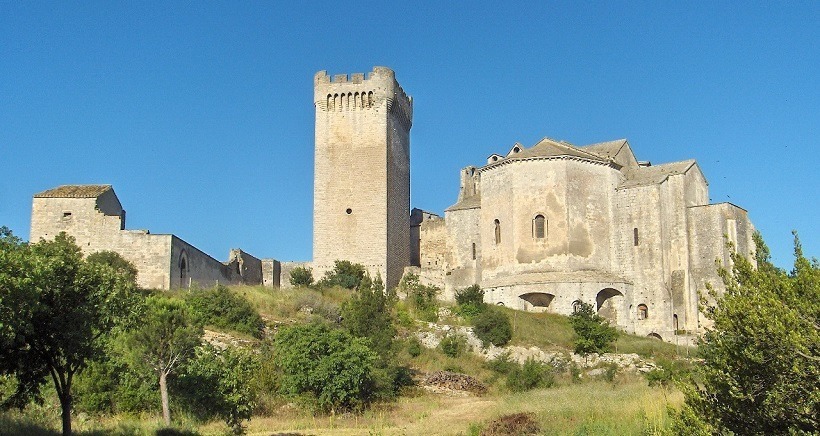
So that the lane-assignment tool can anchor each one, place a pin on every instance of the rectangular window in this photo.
(635, 236)
(473, 250)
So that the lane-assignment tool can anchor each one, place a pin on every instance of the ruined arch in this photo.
(654, 335)
(607, 303)
(539, 300)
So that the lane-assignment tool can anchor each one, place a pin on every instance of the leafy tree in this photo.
(493, 327)
(761, 359)
(222, 308)
(367, 314)
(114, 260)
(594, 334)
(54, 309)
(301, 276)
(332, 367)
(218, 383)
(345, 274)
(165, 339)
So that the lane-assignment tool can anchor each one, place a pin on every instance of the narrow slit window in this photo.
(497, 232)
(635, 236)
(473, 250)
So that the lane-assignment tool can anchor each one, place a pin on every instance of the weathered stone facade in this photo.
(361, 201)
(544, 227)
(539, 228)
(93, 215)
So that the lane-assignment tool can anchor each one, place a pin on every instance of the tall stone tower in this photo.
(361, 198)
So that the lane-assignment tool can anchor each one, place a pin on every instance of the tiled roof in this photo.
(606, 149)
(74, 191)
(471, 202)
(655, 174)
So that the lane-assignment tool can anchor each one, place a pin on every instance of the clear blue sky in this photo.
(201, 116)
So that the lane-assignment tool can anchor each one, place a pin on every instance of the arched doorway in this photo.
(654, 335)
(607, 303)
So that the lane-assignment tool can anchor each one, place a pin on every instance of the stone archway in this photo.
(654, 335)
(539, 301)
(608, 303)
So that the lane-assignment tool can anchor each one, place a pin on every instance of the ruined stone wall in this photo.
(464, 250)
(710, 228)
(271, 273)
(361, 177)
(192, 266)
(285, 269)
(247, 267)
(95, 224)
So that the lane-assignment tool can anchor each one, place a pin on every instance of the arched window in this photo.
(576, 305)
(497, 232)
(183, 270)
(643, 312)
(539, 227)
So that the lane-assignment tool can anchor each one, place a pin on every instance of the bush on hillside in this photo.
(470, 301)
(493, 327)
(301, 276)
(531, 375)
(421, 298)
(594, 334)
(224, 309)
(453, 345)
(345, 274)
(114, 260)
(329, 367)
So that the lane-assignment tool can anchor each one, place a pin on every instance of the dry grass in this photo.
(628, 407)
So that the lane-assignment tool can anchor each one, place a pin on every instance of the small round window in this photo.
(349, 211)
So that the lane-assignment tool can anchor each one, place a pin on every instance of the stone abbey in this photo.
(539, 228)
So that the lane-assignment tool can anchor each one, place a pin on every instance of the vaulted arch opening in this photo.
(607, 303)
(538, 301)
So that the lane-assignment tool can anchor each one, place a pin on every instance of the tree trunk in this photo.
(163, 391)
(65, 404)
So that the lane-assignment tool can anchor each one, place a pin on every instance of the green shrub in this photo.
(531, 375)
(493, 327)
(114, 260)
(368, 314)
(315, 305)
(345, 274)
(453, 345)
(502, 364)
(414, 347)
(471, 295)
(594, 334)
(421, 298)
(329, 367)
(222, 308)
(216, 383)
(301, 276)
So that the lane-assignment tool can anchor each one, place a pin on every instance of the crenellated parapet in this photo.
(358, 92)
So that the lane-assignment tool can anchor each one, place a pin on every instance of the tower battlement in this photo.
(358, 91)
